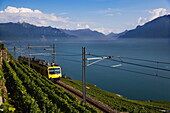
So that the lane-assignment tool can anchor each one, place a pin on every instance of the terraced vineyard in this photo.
(31, 92)
(119, 103)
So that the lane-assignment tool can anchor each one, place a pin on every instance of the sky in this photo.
(105, 16)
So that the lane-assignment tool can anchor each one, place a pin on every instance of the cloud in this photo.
(110, 12)
(78, 25)
(83, 26)
(155, 13)
(103, 30)
(141, 20)
(36, 17)
(10, 9)
(63, 13)
(99, 29)
(87, 26)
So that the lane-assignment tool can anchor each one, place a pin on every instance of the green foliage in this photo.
(42, 99)
(159, 104)
(119, 103)
(21, 100)
(51, 98)
(1, 76)
(7, 108)
(40, 69)
(32, 92)
(46, 96)
(65, 101)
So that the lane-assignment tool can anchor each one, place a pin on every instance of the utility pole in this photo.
(84, 73)
(51, 46)
(85, 63)
(54, 54)
(14, 52)
(29, 55)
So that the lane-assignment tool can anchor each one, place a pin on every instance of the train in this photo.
(50, 70)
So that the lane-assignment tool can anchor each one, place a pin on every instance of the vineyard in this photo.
(120, 103)
(30, 92)
(24, 90)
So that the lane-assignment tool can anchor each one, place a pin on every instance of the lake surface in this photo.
(128, 84)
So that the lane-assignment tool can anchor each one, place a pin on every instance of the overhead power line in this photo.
(72, 60)
(42, 53)
(68, 54)
(53, 52)
(128, 70)
(146, 60)
(42, 46)
(141, 65)
(155, 75)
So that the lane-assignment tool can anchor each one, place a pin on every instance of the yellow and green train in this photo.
(50, 70)
(54, 72)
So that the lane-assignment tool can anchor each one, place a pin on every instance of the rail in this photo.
(97, 104)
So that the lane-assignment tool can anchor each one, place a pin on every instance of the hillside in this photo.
(25, 31)
(157, 28)
(118, 102)
(116, 35)
(29, 91)
(86, 34)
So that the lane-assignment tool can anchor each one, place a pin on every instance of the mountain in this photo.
(155, 29)
(25, 31)
(86, 34)
(116, 35)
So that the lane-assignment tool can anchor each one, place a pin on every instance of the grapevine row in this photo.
(119, 103)
(59, 98)
(64, 95)
(42, 99)
(21, 100)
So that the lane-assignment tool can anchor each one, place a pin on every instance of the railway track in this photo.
(97, 104)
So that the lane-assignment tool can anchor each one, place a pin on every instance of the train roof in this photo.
(39, 62)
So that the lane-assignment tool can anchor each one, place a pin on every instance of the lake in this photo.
(131, 85)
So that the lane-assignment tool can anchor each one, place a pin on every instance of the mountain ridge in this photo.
(25, 31)
(86, 34)
(157, 28)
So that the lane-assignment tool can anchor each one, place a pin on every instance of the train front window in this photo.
(54, 71)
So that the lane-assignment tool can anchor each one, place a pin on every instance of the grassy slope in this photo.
(119, 103)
